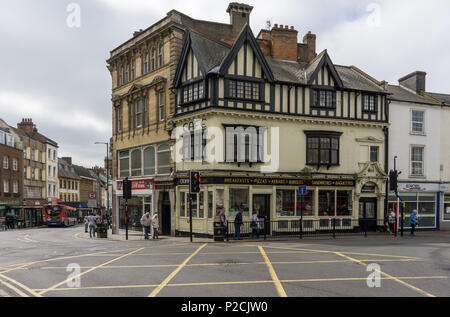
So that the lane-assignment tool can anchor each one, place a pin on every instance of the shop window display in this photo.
(285, 203)
(305, 204)
(239, 200)
(326, 203)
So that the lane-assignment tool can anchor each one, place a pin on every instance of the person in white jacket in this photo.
(146, 222)
(155, 225)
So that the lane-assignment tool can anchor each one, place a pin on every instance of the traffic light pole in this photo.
(402, 208)
(190, 216)
(126, 218)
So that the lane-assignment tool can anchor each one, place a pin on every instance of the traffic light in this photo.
(194, 182)
(127, 189)
(393, 181)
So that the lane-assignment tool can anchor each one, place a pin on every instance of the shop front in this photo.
(445, 219)
(277, 201)
(138, 205)
(421, 197)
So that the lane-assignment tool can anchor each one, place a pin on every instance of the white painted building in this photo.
(52, 181)
(415, 139)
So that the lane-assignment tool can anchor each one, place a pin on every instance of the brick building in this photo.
(11, 171)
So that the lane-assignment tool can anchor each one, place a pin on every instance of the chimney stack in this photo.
(68, 160)
(26, 125)
(239, 15)
(415, 81)
(284, 42)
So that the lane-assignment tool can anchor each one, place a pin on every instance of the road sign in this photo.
(302, 190)
(92, 195)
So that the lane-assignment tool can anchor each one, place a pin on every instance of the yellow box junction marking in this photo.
(158, 289)
(273, 274)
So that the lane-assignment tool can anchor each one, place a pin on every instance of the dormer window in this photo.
(244, 90)
(193, 92)
(369, 103)
(323, 99)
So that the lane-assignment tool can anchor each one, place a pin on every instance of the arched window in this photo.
(149, 161)
(136, 163)
(163, 159)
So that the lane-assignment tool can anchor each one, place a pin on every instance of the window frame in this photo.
(316, 98)
(417, 122)
(378, 153)
(244, 89)
(162, 106)
(411, 162)
(320, 135)
(187, 95)
(368, 108)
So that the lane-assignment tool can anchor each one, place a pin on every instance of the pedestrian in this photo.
(92, 225)
(146, 222)
(86, 224)
(255, 225)
(223, 222)
(237, 225)
(414, 221)
(155, 225)
(392, 221)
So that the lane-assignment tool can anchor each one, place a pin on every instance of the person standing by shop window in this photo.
(223, 221)
(237, 225)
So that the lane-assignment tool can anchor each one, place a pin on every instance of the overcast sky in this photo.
(57, 74)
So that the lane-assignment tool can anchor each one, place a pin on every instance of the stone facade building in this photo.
(142, 71)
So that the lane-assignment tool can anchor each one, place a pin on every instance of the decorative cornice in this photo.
(276, 117)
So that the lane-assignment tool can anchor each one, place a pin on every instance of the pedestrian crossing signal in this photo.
(127, 191)
(194, 182)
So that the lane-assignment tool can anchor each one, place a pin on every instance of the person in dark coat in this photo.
(237, 225)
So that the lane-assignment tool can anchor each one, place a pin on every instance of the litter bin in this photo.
(102, 231)
(219, 232)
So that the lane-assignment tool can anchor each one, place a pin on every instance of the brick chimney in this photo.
(27, 125)
(415, 81)
(239, 15)
(284, 42)
(68, 160)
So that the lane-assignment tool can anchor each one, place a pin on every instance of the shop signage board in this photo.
(138, 187)
(268, 182)
(410, 187)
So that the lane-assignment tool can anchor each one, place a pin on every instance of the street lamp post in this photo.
(107, 174)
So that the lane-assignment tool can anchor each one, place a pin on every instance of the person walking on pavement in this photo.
(414, 221)
(237, 225)
(255, 225)
(92, 225)
(392, 221)
(155, 225)
(146, 222)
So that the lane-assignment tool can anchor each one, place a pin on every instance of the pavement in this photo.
(64, 262)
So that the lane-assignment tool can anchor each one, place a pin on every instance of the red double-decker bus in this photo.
(59, 215)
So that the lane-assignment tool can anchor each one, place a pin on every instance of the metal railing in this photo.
(290, 228)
